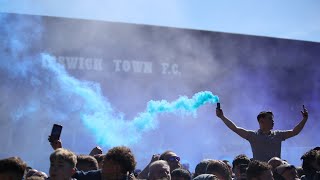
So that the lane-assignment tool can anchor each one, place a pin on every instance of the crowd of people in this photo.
(119, 163)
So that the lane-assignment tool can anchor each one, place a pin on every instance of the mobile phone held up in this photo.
(55, 132)
(218, 106)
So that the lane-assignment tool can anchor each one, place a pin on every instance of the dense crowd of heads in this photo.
(119, 164)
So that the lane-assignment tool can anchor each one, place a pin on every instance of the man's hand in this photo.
(55, 144)
(219, 113)
(96, 150)
(298, 128)
(154, 158)
(304, 113)
(144, 173)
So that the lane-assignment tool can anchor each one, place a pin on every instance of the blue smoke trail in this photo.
(181, 105)
(61, 97)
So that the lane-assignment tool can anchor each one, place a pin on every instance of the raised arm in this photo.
(297, 129)
(144, 173)
(55, 144)
(240, 131)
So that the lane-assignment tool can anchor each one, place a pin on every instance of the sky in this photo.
(289, 19)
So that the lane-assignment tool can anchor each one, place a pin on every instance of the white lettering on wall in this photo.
(119, 65)
(132, 66)
(80, 63)
(168, 69)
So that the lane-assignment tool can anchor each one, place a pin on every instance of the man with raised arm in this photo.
(265, 143)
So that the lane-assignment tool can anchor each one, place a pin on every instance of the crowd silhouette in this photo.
(119, 162)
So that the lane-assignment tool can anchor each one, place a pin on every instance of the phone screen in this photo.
(56, 132)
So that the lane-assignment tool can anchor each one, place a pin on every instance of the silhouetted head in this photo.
(118, 163)
(219, 169)
(12, 168)
(159, 169)
(172, 158)
(258, 170)
(266, 121)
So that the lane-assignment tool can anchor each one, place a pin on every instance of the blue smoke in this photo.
(95, 110)
(183, 105)
(53, 93)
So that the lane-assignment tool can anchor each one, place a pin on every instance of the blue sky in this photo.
(292, 19)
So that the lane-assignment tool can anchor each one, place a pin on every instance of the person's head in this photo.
(201, 168)
(99, 158)
(275, 162)
(239, 166)
(265, 119)
(35, 173)
(287, 171)
(118, 163)
(159, 169)
(180, 174)
(62, 164)
(86, 163)
(258, 170)
(12, 168)
(229, 166)
(220, 169)
(310, 164)
(172, 159)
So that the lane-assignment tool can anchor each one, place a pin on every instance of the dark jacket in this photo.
(90, 175)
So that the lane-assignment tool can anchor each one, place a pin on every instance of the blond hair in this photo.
(66, 155)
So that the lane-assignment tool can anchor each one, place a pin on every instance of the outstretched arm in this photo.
(240, 131)
(144, 173)
(297, 129)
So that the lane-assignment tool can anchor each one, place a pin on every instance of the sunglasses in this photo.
(174, 158)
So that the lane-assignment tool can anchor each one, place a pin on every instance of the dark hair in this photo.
(180, 172)
(307, 159)
(263, 114)
(256, 168)
(277, 176)
(316, 148)
(122, 155)
(201, 168)
(163, 155)
(240, 159)
(220, 167)
(89, 160)
(13, 165)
